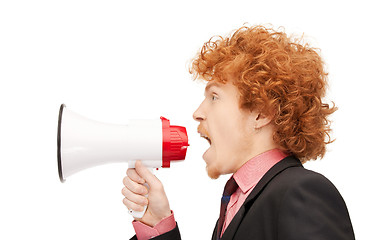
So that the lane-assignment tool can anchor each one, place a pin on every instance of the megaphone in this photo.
(84, 143)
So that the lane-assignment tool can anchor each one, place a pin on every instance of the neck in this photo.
(262, 141)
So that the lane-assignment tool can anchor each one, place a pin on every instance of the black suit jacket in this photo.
(288, 203)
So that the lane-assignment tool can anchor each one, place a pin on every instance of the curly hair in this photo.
(278, 76)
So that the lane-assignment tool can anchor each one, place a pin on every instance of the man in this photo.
(263, 116)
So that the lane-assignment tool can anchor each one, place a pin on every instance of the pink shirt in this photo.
(246, 177)
(145, 232)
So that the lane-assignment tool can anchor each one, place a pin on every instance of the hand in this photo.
(134, 193)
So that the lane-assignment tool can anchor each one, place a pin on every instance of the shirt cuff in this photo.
(145, 232)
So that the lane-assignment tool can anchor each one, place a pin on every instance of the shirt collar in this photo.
(255, 168)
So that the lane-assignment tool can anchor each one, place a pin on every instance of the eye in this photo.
(214, 97)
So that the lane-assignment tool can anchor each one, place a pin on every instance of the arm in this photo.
(158, 219)
(312, 208)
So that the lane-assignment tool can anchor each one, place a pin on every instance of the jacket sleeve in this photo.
(171, 235)
(312, 208)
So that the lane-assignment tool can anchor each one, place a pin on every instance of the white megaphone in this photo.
(84, 143)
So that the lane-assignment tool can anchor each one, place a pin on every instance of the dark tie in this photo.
(230, 187)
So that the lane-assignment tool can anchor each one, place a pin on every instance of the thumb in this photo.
(145, 173)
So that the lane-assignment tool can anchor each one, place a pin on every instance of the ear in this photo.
(262, 120)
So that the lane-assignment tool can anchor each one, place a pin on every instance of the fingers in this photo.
(151, 195)
(135, 187)
(134, 191)
(145, 174)
(133, 206)
(133, 175)
(134, 201)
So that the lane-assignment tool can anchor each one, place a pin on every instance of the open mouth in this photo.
(203, 133)
(206, 137)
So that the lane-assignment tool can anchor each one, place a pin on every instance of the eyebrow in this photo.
(213, 84)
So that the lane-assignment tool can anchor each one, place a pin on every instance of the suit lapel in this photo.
(285, 163)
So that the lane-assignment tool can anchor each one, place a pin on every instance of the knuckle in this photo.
(133, 175)
(128, 171)
(132, 206)
(138, 208)
(133, 197)
(126, 202)
(138, 189)
(124, 191)
(129, 174)
(142, 190)
(125, 180)
(144, 201)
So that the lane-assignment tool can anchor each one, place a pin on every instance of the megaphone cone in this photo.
(84, 143)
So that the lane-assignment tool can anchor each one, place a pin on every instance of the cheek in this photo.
(232, 143)
(230, 137)
(222, 157)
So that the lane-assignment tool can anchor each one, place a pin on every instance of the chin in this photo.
(213, 171)
(213, 174)
(213, 167)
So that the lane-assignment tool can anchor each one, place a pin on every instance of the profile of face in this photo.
(230, 130)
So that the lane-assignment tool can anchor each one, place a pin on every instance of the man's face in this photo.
(227, 127)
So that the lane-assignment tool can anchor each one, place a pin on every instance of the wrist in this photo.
(165, 215)
(154, 219)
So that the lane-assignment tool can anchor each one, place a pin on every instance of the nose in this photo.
(198, 115)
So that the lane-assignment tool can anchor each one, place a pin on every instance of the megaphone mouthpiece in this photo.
(175, 143)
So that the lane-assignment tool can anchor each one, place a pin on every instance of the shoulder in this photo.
(297, 184)
(295, 177)
(289, 180)
(310, 202)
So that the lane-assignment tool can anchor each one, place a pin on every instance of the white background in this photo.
(114, 60)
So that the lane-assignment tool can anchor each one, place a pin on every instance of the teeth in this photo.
(208, 139)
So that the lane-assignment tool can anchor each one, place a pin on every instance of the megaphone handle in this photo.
(137, 214)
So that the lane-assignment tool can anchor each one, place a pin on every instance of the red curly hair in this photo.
(277, 75)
